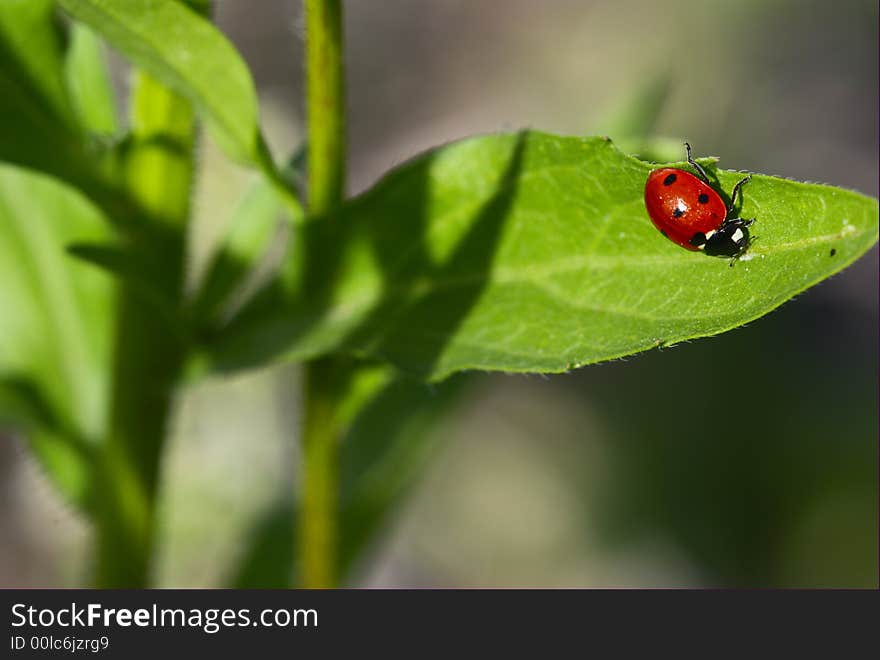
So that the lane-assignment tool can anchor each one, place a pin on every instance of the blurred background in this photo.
(745, 460)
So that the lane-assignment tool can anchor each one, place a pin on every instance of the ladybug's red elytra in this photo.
(690, 212)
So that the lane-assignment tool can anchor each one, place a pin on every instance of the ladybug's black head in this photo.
(731, 239)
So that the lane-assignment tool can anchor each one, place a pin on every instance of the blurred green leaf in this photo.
(533, 253)
(250, 254)
(268, 560)
(88, 80)
(188, 54)
(635, 116)
(57, 316)
(184, 51)
(133, 268)
(34, 39)
(386, 448)
(37, 124)
(651, 149)
(631, 122)
(66, 458)
(256, 229)
(384, 453)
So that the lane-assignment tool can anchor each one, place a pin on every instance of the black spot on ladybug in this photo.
(669, 180)
(677, 213)
(833, 252)
(703, 198)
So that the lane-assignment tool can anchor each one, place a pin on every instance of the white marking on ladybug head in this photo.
(737, 235)
(710, 234)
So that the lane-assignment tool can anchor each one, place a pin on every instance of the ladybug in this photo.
(689, 212)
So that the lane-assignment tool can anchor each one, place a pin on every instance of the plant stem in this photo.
(322, 429)
(158, 175)
(325, 91)
(318, 513)
(147, 366)
(149, 352)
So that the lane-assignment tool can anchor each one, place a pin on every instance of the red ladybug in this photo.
(689, 212)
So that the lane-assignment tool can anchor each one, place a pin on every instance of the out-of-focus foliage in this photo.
(88, 80)
(38, 124)
(188, 54)
(57, 325)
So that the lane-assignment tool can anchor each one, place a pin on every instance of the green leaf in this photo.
(144, 278)
(231, 278)
(251, 251)
(56, 315)
(35, 42)
(88, 80)
(37, 124)
(636, 114)
(66, 458)
(632, 121)
(384, 453)
(187, 53)
(533, 253)
(267, 560)
(386, 448)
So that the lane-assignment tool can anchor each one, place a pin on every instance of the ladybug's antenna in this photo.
(696, 165)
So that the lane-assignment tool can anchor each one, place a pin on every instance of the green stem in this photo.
(325, 90)
(158, 173)
(322, 428)
(318, 513)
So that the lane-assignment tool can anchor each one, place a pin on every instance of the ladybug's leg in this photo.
(696, 165)
(742, 222)
(736, 191)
